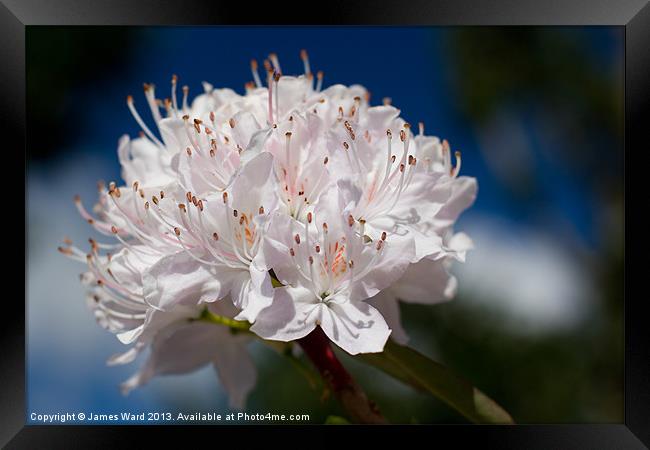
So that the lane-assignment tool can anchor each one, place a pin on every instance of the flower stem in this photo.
(236, 325)
(353, 399)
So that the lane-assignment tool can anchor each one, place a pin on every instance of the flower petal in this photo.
(356, 327)
(236, 370)
(292, 315)
(388, 305)
(179, 278)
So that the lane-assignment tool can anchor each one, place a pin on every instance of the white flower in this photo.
(328, 269)
(178, 343)
(336, 200)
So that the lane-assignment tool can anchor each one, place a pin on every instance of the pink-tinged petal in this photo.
(245, 126)
(179, 278)
(387, 268)
(174, 134)
(356, 327)
(426, 282)
(145, 162)
(125, 357)
(463, 194)
(380, 117)
(130, 336)
(275, 249)
(253, 186)
(388, 305)
(459, 245)
(257, 296)
(292, 91)
(237, 372)
(292, 315)
(181, 348)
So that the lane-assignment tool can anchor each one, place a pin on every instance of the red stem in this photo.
(317, 347)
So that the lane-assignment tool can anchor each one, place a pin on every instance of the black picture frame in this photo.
(633, 15)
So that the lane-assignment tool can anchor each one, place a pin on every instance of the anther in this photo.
(297, 238)
(231, 122)
(177, 231)
(350, 220)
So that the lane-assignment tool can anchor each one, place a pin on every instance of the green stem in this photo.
(239, 325)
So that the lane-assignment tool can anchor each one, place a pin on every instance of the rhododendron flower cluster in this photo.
(288, 208)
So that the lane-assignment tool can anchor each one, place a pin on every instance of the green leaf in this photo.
(415, 369)
(336, 420)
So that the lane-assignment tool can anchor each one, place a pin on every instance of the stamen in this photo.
(256, 76)
(305, 61)
(276, 63)
(174, 101)
(186, 91)
(138, 119)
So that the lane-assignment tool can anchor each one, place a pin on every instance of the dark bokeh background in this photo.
(537, 113)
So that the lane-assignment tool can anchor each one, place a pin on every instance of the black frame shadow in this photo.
(633, 15)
